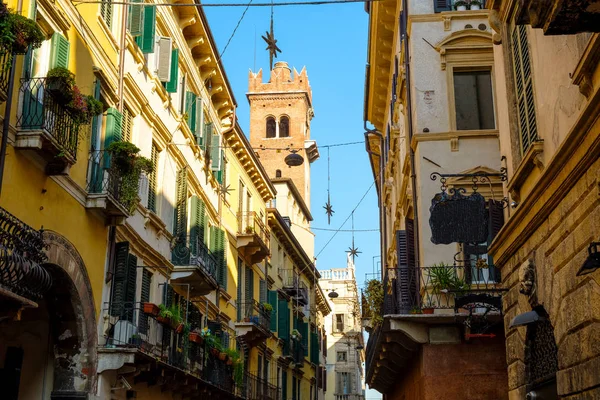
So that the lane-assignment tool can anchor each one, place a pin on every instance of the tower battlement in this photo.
(282, 79)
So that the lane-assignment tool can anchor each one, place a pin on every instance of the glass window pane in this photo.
(474, 100)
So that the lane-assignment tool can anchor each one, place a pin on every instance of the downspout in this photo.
(413, 175)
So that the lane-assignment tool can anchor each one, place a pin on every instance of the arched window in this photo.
(271, 127)
(278, 173)
(284, 127)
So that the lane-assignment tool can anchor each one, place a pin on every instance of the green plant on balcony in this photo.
(296, 334)
(17, 32)
(249, 229)
(60, 83)
(238, 371)
(373, 303)
(83, 108)
(443, 279)
(128, 165)
(267, 307)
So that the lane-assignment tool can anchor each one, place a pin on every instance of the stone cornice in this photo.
(452, 135)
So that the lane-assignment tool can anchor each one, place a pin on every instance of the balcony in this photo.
(5, 65)
(254, 323)
(105, 189)
(293, 286)
(158, 355)
(260, 389)
(297, 351)
(23, 280)
(422, 304)
(194, 265)
(252, 237)
(349, 397)
(45, 126)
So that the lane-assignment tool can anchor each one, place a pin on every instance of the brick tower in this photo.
(280, 115)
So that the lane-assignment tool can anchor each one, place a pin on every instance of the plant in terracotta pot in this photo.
(151, 309)
(232, 356)
(60, 83)
(267, 307)
(195, 336)
(18, 33)
(164, 315)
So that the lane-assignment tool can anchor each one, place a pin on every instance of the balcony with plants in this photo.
(194, 264)
(253, 237)
(254, 322)
(52, 114)
(167, 347)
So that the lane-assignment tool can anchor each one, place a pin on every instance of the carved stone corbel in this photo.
(496, 25)
(527, 281)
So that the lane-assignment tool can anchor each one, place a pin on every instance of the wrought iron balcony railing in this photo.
(103, 178)
(371, 349)
(349, 397)
(249, 223)
(5, 65)
(260, 389)
(191, 250)
(289, 277)
(41, 111)
(254, 312)
(423, 289)
(21, 256)
(297, 351)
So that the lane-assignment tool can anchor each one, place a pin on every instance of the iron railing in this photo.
(349, 397)
(289, 277)
(21, 255)
(5, 65)
(297, 351)
(249, 222)
(191, 250)
(42, 111)
(253, 311)
(130, 327)
(260, 389)
(412, 290)
(370, 351)
(104, 178)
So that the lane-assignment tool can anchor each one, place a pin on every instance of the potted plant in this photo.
(195, 336)
(17, 32)
(238, 372)
(296, 334)
(460, 5)
(164, 316)
(475, 5)
(416, 310)
(428, 309)
(217, 347)
(232, 356)
(267, 307)
(151, 309)
(249, 229)
(60, 83)
(441, 277)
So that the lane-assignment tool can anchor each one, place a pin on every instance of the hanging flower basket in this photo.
(151, 309)
(195, 337)
(59, 83)
(222, 356)
(18, 32)
(164, 320)
(428, 310)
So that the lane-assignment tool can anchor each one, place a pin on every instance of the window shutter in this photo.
(106, 12)
(496, 221)
(523, 87)
(199, 120)
(119, 281)
(404, 285)
(136, 19)
(59, 53)
(284, 385)
(272, 295)
(262, 291)
(314, 348)
(146, 40)
(96, 119)
(215, 152)
(131, 284)
(197, 221)
(283, 328)
(249, 286)
(222, 256)
(180, 218)
(153, 179)
(127, 121)
(190, 110)
(144, 298)
(163, 59)
(113, 131)
(194, 317)
(171, 85)
(208, 129)
(303, 328)
(441, 5)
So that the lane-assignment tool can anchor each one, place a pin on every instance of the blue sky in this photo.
(330, 40)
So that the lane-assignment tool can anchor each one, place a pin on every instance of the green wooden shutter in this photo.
(171, 85)
(113, 131)
(59, 53)
(153, 179)
(146, 40)
(180, 217)
(199, 120)
(96, 119)
(197, 221)
(215, 152)
(272, 295)
(190, 110)
(283, 319)
(284, 384)
(144, 298)
(131, 285)
(262, 291)
(314, 348)
(136, 19)
(222, 256)
(303, 328)
(249, 294)
(206, 137)
(119, 281)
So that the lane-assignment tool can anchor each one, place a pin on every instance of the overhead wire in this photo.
(234, 30)
(286, 3)
(346, 220)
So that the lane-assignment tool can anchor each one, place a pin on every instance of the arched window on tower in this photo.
(278, 173)
(284, 126)
(271, 127)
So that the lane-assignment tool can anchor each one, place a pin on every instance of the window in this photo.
(523, 87)
(106, 12)
(278, 173)
(338, 323)
(342, 356)
(473, 99)
(271, 127)
(153, 179)
(284, 127)
(343, 383)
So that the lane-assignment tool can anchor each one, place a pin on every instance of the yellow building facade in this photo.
(157, 231)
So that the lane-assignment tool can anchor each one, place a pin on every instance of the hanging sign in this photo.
(456, 218)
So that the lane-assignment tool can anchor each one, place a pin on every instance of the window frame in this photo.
(466, 66)
(276, 126)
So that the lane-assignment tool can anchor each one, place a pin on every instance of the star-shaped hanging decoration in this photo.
(353, 252)
(271, 44)
(224, 190)
(329, 211)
